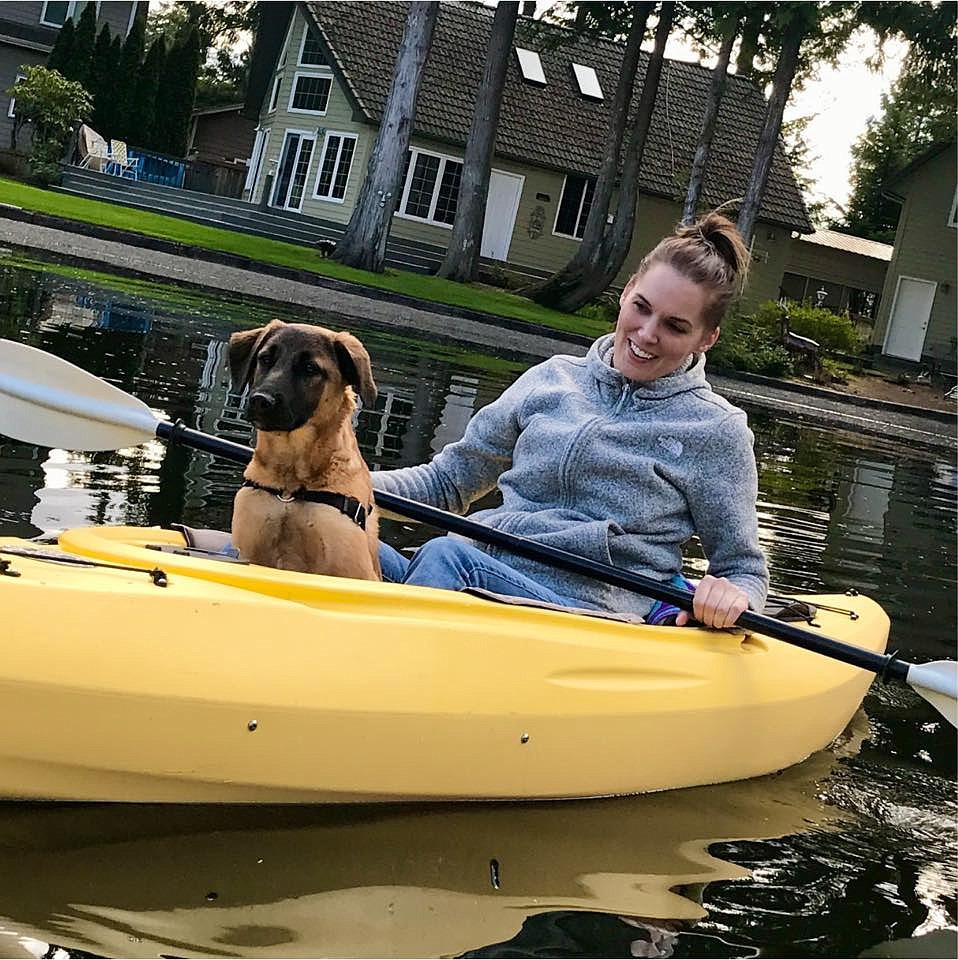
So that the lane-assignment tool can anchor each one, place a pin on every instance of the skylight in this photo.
(530, 65)
(588, 81)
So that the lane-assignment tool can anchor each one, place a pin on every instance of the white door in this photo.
(502, 204)
(910, 312)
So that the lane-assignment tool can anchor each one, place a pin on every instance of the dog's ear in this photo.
(355, 366)
(243, 349)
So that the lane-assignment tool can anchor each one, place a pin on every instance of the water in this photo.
(851, 849)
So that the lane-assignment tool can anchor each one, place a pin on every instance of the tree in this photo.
(61, 56)
(101, 86)
(141, 127)
(131, 60)
(363, 244)
(177, 91)
(84, 42)
(462, 255)
(604, 247)
(53, 105)
(727, 22)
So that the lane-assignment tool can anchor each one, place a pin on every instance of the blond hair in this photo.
(710, 252)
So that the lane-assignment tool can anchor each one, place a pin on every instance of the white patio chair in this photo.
(94, 150)
(121, 164)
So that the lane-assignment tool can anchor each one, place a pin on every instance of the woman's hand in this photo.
(718, 603)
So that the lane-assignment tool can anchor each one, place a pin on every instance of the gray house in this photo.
(319, 80)
(28, 31)
(918, 317)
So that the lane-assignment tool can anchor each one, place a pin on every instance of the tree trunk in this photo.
(363, 244)
(781, 87)
(552, 291)
(610, 254)
(716, 90)
(462, 255)
(748, 49)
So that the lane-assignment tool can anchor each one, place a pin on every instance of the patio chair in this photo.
(94, 150)
(121, 163)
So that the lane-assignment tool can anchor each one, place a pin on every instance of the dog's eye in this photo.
(266, 360)
(312, 369)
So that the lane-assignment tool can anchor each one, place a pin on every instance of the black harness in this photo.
(348, 506)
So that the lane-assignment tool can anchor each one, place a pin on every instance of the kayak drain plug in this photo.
(524, 738)
(252, 725)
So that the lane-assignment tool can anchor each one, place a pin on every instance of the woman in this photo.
(619, 456)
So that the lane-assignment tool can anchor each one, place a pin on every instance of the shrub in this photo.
(53, 105)
(750, 343)
(832, 331)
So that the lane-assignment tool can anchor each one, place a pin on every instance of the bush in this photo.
(834, 332)
(752, 344)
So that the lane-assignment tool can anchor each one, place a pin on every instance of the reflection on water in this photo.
(616, 878)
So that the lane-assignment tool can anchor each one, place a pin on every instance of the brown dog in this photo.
(307, 503)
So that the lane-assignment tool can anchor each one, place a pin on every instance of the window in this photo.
(574, 206)
(55, 13)
(11, 110)
(431, 188)
(588, 81)
(953, 216)
(255, 161)
(311, 53)
(530, 66)
(334, 167)
(310, 93)
(274, 96)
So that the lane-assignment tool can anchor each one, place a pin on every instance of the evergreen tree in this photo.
(84, 42)
(102, 76)
(131, 59)
(177, 91)
(142, 126)
(61, 56)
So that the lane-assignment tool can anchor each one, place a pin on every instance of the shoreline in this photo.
(344, 303)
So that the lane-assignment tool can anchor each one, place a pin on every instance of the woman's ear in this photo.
(709, 340)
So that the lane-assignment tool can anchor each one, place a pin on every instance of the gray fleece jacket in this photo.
(607, 468)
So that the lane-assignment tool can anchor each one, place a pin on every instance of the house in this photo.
(28, 32)
(220, 142)
(837, 271)
(319, 79)
(917, 317)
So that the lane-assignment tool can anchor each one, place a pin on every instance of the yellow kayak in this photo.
(234, 682)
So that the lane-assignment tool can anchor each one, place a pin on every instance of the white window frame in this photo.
(325, 74)
(274, 93)
(255, 162)
(555, 222)
(444, 157)
(303, 135)
(953, 216)
(11, 109)
(302, 50)
(343, 137)
(71, 10)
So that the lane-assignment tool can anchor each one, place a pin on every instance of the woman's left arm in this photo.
(722, 495)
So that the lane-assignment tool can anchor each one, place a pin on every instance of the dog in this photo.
(307, 501)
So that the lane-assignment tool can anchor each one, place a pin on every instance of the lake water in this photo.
(853, 848)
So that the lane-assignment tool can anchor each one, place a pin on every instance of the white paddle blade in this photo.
(937, 682)
(53, 403)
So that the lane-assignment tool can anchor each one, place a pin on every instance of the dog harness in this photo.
(348, 506)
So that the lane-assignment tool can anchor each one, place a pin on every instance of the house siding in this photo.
(12, 61)
(837, 266)
(925, 250)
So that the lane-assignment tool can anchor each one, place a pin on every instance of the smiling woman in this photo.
(619, 456)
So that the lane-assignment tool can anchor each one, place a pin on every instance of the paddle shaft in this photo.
(887, 665)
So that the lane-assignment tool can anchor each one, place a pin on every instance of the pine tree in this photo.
(84, 42)
(61, 56)
(142, 126)
(131, 59)
(102, 76)
(177, 91)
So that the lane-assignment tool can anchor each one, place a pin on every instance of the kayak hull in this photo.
(237, 683)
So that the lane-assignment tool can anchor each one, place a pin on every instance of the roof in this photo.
(222, 108)
(850, 244)
(554, 126)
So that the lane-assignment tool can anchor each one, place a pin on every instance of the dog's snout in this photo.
(262, 403)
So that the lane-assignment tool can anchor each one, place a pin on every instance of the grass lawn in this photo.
(472, 296)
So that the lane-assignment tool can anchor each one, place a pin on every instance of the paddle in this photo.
(50, 402)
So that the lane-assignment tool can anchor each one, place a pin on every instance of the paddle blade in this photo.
(937, 682)
(53, 403)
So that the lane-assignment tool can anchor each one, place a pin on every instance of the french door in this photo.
(293, 170)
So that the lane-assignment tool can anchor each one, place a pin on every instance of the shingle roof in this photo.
(845, 241)
(554, 126)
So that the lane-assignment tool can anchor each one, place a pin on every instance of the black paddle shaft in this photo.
(886, 665)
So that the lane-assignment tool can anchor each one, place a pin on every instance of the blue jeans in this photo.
(452, 564)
